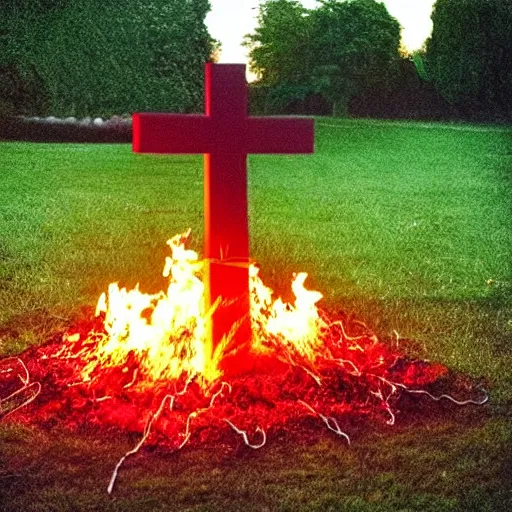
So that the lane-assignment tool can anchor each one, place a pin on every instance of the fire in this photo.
(148, 369)
(298, 326)
(166, 332)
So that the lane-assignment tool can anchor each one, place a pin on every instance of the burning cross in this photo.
(225, 135)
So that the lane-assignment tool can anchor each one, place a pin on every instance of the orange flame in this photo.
(297, 326)
(166, 331)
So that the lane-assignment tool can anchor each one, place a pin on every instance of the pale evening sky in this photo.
(230, 20)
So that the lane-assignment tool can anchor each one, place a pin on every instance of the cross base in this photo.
(227, 289)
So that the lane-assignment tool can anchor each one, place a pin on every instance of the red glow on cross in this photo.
(225, 135)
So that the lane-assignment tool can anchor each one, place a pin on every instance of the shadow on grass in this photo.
(454, 460)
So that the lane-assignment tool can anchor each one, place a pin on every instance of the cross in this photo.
(225, 135)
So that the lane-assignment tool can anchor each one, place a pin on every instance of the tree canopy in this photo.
(334, 50)
(279, 47)
(469, 55)
(102, 57)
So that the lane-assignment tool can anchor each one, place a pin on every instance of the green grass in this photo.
(405, 225)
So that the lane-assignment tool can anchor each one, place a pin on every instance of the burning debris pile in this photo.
(142, 366)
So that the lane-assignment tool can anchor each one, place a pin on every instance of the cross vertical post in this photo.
(225, 135)
(226, 223)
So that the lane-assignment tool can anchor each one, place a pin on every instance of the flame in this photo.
(166, 332)
(297, 326)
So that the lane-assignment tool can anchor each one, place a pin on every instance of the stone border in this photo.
(117, 129)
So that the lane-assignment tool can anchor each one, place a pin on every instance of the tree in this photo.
(469, 55)
(354, 44)
(109, 56)
(334, 50)
(279, 47)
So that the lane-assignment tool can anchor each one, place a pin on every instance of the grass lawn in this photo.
(405, 225)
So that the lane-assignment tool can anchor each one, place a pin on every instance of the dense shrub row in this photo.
(76, 58)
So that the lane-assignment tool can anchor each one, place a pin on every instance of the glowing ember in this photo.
(147, 367)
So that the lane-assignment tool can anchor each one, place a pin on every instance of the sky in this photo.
(230, 20)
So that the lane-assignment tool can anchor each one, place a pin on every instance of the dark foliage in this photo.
(68, 57)
(407, 97)
(346, 52)
(287, 100)
(470, 56)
